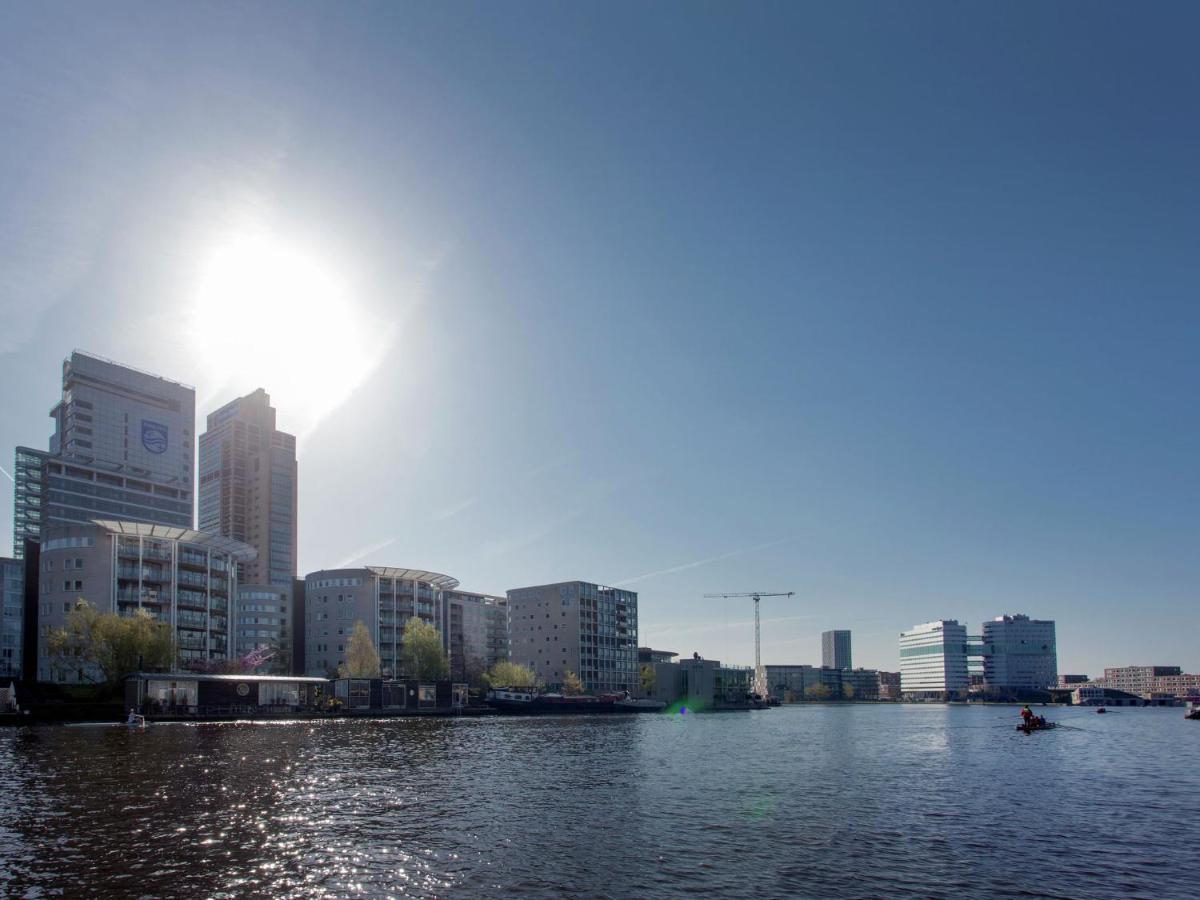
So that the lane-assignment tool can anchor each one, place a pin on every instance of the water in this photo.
(810, 801)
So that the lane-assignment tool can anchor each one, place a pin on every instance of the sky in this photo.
(890, 305)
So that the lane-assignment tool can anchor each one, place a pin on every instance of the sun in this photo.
(271, 315)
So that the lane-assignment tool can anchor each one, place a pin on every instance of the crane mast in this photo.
(760, 674)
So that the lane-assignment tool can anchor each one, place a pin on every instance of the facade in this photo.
(648, 656)
(700, 684)
(860, 684)
(262, 621)
(1066, 681)
(933, 660)
(122, 450)
(12, 604)
(382, 598)
(1093, 695)
(835, 650)
(789, 683)
(1138, 679)
(248, 486)
(184, 577)
(475, 636)
(889, 686)
(1019, 653)
(579, 627)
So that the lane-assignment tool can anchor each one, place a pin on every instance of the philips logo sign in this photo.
(154, 436)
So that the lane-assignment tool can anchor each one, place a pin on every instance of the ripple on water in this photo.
(816, 801)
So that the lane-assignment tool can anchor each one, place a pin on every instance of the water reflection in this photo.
(814, 800)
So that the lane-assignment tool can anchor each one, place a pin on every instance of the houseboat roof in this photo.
(197, 676)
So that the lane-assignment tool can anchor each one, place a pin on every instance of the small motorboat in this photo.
(1193, 711)
(1101, 710)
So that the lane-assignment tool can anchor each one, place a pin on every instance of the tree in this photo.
(505, 674)
(571, 684)
(362, 659)
(422, 656)
(110, 645)
(647, 679)
(817, 692)
(848, 691)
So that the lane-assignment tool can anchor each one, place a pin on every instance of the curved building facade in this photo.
(383, 598)
(184, 577)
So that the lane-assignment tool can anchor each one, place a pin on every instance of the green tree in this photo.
(109, 645)
(818, 692)
(507, 674)
(571, 684)
(422, 656)
(647, 679)
(848, 691)
(362, 659)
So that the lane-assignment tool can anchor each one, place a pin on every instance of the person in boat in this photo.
(1027, 717)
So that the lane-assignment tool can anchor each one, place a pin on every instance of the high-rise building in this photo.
(12, 602)
(575, 626)
(382, 598)
(835, 649)
(122, 450)
(184, 577)
(248, 486)
(1019, 653)
(475, 636)
(933, 660)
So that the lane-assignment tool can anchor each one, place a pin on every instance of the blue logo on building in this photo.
(154, 436)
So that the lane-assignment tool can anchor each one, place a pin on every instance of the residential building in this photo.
(835, 650)
(1137, 679)
(248, 486)
(1096, 695)
(122, 450)
(12, 603)
(580, 627)
(476, 633)
(262, 621)
(933, 660)
(184, 577)
(383, 598)
(1019, 653)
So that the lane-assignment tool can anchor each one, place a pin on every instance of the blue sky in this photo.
(893, 306)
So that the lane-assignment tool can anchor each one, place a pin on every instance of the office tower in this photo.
(121, 450)
(933, 660)
(578, 627)
(835, 649)
(382, 598)
(1019, 653)
(248, 486)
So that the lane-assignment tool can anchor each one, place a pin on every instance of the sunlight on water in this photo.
(817, 800)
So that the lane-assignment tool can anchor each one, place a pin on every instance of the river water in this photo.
(809, 801)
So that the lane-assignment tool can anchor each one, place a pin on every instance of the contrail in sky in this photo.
(701, 562)
(364, 551)
(6, 475)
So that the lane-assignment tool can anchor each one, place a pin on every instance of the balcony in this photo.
(193, 560)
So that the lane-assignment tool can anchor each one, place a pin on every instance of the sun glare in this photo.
(268, 315)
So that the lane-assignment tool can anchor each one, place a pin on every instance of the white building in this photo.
(1019, 653)
(933, 660)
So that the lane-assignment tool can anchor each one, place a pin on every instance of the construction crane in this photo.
(760, 674)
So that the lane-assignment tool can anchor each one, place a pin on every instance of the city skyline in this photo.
(910, 333)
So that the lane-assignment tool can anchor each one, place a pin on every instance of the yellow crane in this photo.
(760, 674)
